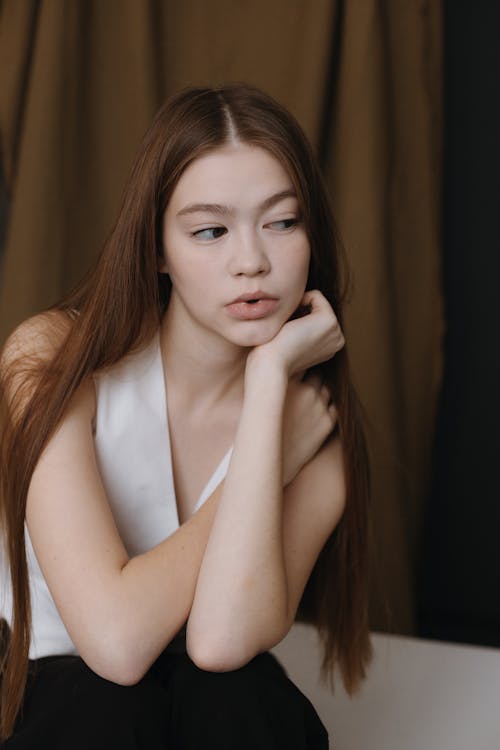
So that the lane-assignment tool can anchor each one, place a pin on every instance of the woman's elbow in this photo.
(227, 653)
(216, 657)
(123, 673)
(116, 661)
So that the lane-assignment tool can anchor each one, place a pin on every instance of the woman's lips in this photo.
(252, 310)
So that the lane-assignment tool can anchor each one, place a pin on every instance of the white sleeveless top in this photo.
(133, 453)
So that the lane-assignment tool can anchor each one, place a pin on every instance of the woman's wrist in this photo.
(265, 374)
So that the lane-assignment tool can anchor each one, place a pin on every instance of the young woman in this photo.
(146, 588)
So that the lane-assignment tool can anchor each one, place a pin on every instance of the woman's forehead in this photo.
(229, 171)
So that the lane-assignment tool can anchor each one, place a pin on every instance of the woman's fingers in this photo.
(314, 299)
(309, 418)
(322, 400)
(319, 306)
(306, 341)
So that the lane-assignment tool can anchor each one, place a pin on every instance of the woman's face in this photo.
(234, 246)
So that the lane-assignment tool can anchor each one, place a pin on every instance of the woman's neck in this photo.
(201, 370)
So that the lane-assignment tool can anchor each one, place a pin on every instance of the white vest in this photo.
(133, 453)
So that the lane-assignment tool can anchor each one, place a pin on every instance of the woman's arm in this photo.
(119, 612)
(261, 550)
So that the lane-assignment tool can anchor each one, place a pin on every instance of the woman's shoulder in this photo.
(38, 337)
(31, 345)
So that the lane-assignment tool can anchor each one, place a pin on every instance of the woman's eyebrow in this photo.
(218, 208)
(276, 198)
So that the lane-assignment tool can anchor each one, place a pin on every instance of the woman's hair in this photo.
(119, 307)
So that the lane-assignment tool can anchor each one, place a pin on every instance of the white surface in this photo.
(419, 695)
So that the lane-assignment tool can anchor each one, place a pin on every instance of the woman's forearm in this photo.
(152, 598)
(240, 605)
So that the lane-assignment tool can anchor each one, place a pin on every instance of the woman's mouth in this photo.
(252, 308)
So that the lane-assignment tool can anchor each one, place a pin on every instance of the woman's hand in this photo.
(242, 603)
(304, 342)
(309, 418)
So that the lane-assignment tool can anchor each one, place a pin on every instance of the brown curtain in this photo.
(383, 166)
(80, 81)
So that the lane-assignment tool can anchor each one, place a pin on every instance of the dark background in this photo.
(459, 591)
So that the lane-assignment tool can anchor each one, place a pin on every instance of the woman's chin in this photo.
(251, 333)
(256, 335)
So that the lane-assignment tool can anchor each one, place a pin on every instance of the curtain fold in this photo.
(384, 167)
(80, 82)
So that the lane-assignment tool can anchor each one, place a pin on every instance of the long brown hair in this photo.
(120, 304)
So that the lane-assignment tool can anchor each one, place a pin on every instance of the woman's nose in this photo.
(249, 257)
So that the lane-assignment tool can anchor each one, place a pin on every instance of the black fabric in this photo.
(176, 706)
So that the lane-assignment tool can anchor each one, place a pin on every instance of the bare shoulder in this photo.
(322, 480)
(314, 504)
(31, 345)
(37, 337)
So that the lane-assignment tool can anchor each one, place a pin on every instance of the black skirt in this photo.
(176, 706)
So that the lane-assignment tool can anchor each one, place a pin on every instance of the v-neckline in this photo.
(220, 470)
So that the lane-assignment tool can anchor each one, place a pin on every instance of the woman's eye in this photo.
(283, 224)
(211, 233)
